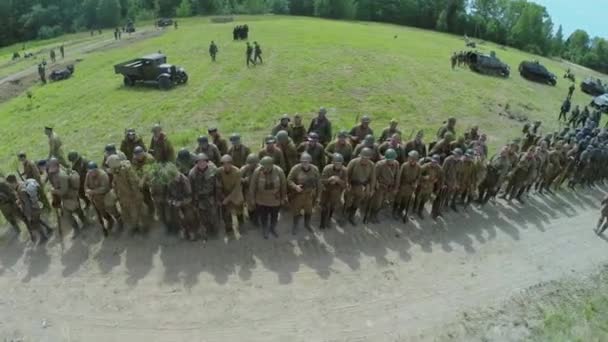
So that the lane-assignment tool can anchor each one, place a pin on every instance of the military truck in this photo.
(162, 22)
(130, 27)
(534, 71)
(601, 103)
(151, 69)
(593, 87)
(487, 64)
(63, 74)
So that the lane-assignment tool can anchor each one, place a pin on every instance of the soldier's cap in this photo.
(369, 139)
(212, 129)
(48, 128)
(390, 154)
(285, 117)
(337, 158)
(183, 153)
(201, 156)
(413, 154)
(72, 156)
(92, 165)
(252, 158)
(366, 119)
(313, 136)
(203, 139)
(322, 110)
(305, 157)
(270, 140)
(226, 158)
(297, 116)
(267, 161)
(457, 152)
(366, 153)
(21, 155)
(235, 137)
(282, 135)
(343, 134)
(11, 179)
(110, 148)
(138, 150)
(436, 158)
(393, 121)
(156, 127)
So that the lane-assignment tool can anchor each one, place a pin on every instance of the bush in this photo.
(46, 32)
(184, 9)
(145, 14)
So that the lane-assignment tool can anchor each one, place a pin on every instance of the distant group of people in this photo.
(53, 58)
(118, 34)
(253, 53)
(577, 117)
(460, 59)
(240, 32)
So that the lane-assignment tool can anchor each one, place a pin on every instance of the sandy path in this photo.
(385, 283)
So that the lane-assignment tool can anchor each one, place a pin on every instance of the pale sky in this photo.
(589, 15)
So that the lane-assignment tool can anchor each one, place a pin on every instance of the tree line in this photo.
(518, 23)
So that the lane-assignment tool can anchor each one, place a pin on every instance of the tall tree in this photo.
(108, 13)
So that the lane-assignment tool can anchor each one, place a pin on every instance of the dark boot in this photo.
(453, 204)
(324, 219)
(351, 216)
(294, 226)
(421, 211)
(307, 225)
(374, 217)
(396, 211)
(253, 218)
(273, 230)
(240, 219)
(519, 194)
(265, 231)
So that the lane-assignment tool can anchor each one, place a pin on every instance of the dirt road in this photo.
(382, 283)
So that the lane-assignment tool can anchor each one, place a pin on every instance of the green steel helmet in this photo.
(110, 148)
(53, 162)
(92, 165)
(282, 135)
(366, 119)
(183, 154)
(201, 156)
(270, 140)
(457, 152)
(21, 155)
(267, 161)
(469, 152)
(367, 153)
(203, 139)
(413, 155)
(322, 110)
(226, 158)
(212, 129)
(369, 140)
(156, 128)
(305, 157)
(448, 136)
(343, 134)
(390, 154)
(73, 156)
(252, 159)
(235, 137)
(285, 117)
(337, 158)
(138, 150)
(436, 158)
(313, 136)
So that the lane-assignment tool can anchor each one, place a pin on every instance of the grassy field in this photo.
(349, 67)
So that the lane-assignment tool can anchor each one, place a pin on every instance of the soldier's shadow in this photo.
(38, 261)
(140, 252)
(11, 250)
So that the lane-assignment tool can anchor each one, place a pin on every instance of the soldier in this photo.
(407, 182)
(42, 73)
(431, 180)
(387, 171)
(368, 142)
(480, 145)
(79, 165)
(304, 183)
(9, 208)
(52, 55)
(160, 145)
(27, 198)
(30, 170)
(442, 147)
(249, 53)
(218, 140)
(210, 150)
(602, 223)
(458, 143)
(205, 193)
(273, 152)
(453, 60)
(360, 182)
(497, 171)
(468, 179)
(290, 153)
(62, 51)
(184, 161)
(472, 134)
(416, 145)
(564, 110)
(126, 185)
(268, 190)
(181, 214)
(574, 116)
(253, 162)
(517, 178)
(452, 171)
(333, 181)
(238, 151)
(141, 159)
(283, 125)
(393, 143)
(55, 146)
(450, 126)
(314, 149)
(129, 142)
(389, 131)
(257, 53)
(322, 126)
(340, 146)
(65, 194)
(110, 150)
(213, 50)
(230, 194)
(583, 117)
(359, 132)
(555, 163)
(571, 90)
(97, 188)
(297, 131)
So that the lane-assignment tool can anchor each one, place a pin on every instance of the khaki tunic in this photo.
(162, 149)
(56, 149)
(212, 152)
(431, 175)
(333, 182)
(386, 182)
(358, 133)
(345, 149)
(310, 181)
(375, 151)
(277, 156)
(321, 127)
(297, 134)
(452, 170)
(387, 133)
(221, 144)
(239, 154)
(290, 154)
(268, 188)
(317, 152)
(230, 186)
(401, 156)
(361, 180)
(246, 173)
(407, 182)
(98, 185)
(127, 146)
(468, 179)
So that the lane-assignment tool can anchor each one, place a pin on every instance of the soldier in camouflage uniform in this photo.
(468, 179)
(55, 147)
(442, 147)
(253, 162)
(333, 181)
(322, 126)
(272, 151)
(518, 176)
(431, 180)
(389, 131)
(97, 188)
(203, 180)
(230, 193)
(30, 170)
(79, 165)
(407, 183)
(27, 199)
(360, 184)
(386, 171)
(218, 140)
(393, 143)
(126, 185)
(417, 145)
(297, 131)
(209, 149)
(497, 171)
(340, 146)
(361, 131)
(304, 183)
(290, 153)
(314, 149)
(130, 142)
(65, 195)
(8, 206)
(238, 151)
(110, 150)
(184, 161)
(268, 190)
(141, 159)
(160, 146)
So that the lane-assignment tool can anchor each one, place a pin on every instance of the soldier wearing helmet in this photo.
(322, 126)
(393, 143)
(449, 126)
(252, 163)
(340, 145)
(297, 131)
(184, 161)
(203, 179)
(268, 191)
(333, 181)
(389, 131)
(110, 150)
(152, 195)
(283, 125)
(98, 190)
(361, 131)
(368, 142)
(442, 147)
(304, 184)
(230, 194)
(129, 142)
(290, 153)
(209, 149)
(314, 148)
(238, 151)
(386, 171)
(79, 165)
(360, 184)
(271, 150)
(31, 171)
(218, 140)
(65, 194)
(125, 182)
(452, 170)
(55, 146)
(430, 181)
(181, 214)
(407, 183)
(416, 144)
(160, 145)
(468, 177)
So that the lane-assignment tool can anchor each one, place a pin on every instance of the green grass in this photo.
(349, 67)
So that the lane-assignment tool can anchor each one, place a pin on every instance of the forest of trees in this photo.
(519, 23)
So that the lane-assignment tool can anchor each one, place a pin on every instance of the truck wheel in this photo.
(128, 81)
(164, 83)
(184, 79)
